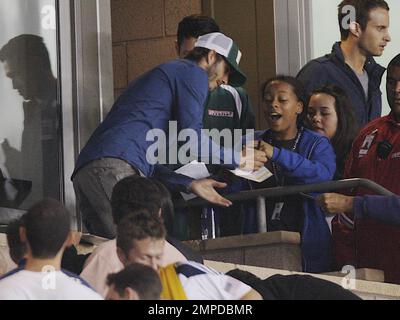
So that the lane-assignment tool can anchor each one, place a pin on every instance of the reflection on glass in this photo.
(30, 120)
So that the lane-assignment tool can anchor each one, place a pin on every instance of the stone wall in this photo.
(143, 35)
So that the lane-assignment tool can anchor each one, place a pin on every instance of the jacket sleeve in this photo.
(175, 182)
(319, 168)
(383, 208)
(312, 75)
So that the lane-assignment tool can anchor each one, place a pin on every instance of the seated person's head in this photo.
(139, 193)
(135, 282)
(46, 229)
(17, 248)
(284, 102)
(141, 239)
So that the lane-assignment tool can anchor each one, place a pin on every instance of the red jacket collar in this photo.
(391, 119)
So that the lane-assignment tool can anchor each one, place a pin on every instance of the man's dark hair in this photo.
(395, 62)
(198, 53)
(362, 10)
(138, 225)
(26, 51)
(135, 193)
(195, 26)
(140, 278)
(17, 248)
(47, 226)
(347, 126)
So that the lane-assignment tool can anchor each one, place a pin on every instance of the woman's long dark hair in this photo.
(347, 127)
(298, 90)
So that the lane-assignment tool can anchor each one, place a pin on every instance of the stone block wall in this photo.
(143, 35)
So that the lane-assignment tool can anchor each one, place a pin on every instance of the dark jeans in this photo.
(93, 186)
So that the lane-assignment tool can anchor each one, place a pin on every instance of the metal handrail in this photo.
(291, 190)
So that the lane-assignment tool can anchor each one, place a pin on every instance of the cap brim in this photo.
(237, 78)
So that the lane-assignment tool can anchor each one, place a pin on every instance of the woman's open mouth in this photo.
(274, 116)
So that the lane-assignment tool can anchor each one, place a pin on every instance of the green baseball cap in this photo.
(227, 48)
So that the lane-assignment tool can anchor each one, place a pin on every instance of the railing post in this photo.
(261, 215)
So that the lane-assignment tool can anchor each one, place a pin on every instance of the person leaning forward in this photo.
(174, 91)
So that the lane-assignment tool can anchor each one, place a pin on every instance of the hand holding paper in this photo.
(252, 159)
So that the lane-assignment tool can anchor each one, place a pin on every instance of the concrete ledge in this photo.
(365, 289)
(242, 241)
(363, 274)
(278, 250)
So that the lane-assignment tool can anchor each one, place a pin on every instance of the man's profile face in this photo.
(218, 74)
(393, 89)
(186, 47)
(148, 252)
(20, 80)
(375, 37)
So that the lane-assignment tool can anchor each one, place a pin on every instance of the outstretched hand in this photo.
(334, 203)
(205, 189)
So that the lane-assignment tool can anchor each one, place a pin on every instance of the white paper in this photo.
(257, 176)
(196, 170)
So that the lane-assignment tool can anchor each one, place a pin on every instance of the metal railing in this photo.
(261, 194)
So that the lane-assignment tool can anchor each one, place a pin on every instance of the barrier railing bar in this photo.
(330, 186)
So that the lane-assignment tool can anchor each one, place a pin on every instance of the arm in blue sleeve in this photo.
(175, 182)
(383, 208)
(321, 167)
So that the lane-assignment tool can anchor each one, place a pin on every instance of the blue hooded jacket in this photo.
(332, 69)
(313, 162)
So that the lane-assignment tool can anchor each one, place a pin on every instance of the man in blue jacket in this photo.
(174, 91)
(351, 65)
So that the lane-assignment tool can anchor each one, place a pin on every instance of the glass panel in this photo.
(30, 121)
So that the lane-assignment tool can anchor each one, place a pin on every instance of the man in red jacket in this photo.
(375, 155)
